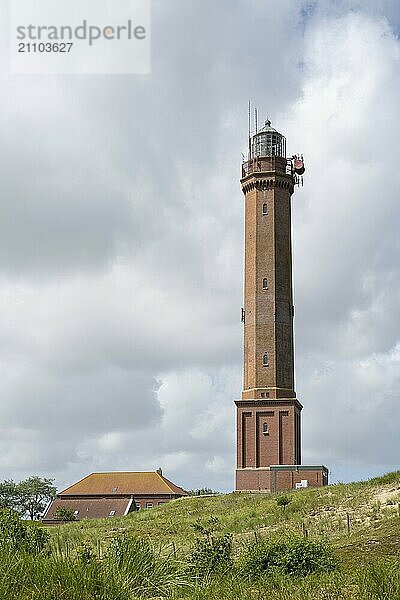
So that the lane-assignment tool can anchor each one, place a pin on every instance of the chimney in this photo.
(159, 471)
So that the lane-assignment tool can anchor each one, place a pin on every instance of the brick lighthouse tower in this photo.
(269, 414)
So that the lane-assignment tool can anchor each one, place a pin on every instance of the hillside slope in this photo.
(361, 520)
(227, 547)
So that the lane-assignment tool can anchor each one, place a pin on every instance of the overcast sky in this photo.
(121, 243)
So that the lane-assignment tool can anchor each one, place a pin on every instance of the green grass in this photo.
(360, 520)
(321, 512)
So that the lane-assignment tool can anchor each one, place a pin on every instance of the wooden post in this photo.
(305, 532)
(348, 523)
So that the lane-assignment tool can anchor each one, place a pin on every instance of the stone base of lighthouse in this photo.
(279, 478)
(269, 447)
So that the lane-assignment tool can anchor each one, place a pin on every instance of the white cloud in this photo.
(346, 242)
(122, 236)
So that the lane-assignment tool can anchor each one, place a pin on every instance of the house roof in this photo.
(90, 508)
(117, 483)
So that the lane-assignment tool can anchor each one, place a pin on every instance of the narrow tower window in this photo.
(265, 283)
(265, 360)
(265, 208)
(265, 429)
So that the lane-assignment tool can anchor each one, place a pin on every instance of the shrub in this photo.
(63, 513)
(16, 534)
(305, 556)
(212, 552)
(283, 500)
(293, 556)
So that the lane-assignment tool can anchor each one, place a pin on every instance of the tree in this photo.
(28, 497)
(34, 494)
(204, 491)
(9, 497)
(63, 513)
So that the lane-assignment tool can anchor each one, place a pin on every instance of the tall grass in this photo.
(381, 580)
(150, 554)
(144, 574)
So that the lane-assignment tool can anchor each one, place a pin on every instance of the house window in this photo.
(265, 209)
(265, 283)
(112, 513)
(149, 505)
(76, 512)
(160, 503)
(265, 360)
(265, 428)
(138, 506)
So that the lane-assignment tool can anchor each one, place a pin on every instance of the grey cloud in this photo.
(89, 402)
(122, 236)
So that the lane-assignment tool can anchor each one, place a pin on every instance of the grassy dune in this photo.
(361, 521)
(370, 510)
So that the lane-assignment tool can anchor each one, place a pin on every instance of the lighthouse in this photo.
(269, 412)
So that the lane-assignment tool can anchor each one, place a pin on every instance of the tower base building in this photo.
(269, 414)
(279, 478)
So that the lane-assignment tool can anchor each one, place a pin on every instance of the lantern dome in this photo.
(268, 142)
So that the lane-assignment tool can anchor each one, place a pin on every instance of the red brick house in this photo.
(103, 495)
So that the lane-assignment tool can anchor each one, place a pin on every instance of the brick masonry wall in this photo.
(286, 480)
(264, 480)
(257, 448)
(268, 324)
(150, 499)
(253, 480)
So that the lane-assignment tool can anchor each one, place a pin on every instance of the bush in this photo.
(16, 534)
(283, 500)
(304, 556)
(212, 553)
(292, 556)
(64, 513)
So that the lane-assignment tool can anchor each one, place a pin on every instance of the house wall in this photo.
(280, 478)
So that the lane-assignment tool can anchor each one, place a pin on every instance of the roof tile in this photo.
(90, 508)
(149, 482)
